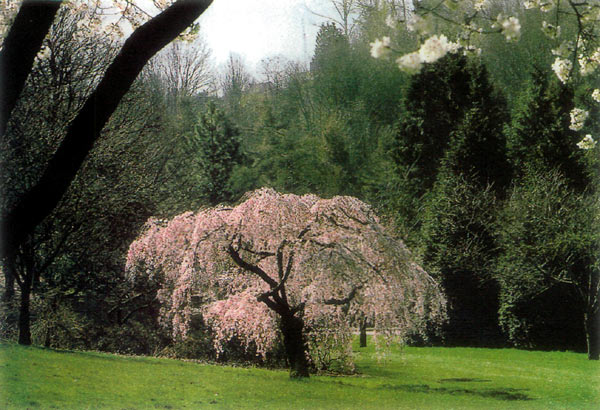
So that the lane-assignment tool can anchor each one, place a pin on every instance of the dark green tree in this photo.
(460, 251)
(452, 111)
(451, 157)
(218, 144)
(435, 106)
(539, 138)
(459, 224)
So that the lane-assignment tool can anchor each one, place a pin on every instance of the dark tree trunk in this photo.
(41, 199)
(363, 333)
(20, 46)
(24, 316)
(592, 330)
(295, 345)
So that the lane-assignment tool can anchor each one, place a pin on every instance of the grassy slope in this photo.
(416, 378)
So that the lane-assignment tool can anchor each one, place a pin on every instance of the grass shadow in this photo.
(505, 394)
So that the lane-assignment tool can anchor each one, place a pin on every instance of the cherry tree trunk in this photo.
(295, 345)
(592, 330)
(24, 316)
(363, 333)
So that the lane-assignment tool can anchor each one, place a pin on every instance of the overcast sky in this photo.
(256, 29)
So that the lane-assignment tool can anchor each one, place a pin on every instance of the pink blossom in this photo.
(342, 266)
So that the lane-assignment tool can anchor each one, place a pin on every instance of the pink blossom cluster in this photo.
(342, 266)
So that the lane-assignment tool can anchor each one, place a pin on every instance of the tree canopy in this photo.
(276, 262)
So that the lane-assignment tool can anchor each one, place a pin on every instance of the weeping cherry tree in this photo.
(296, 270)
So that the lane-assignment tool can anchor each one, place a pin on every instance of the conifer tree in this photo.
(459, 223)
(219, 148)
(539, 138)
(450, 105)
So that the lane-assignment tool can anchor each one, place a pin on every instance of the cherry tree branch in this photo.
(346, 300)
(250, 267)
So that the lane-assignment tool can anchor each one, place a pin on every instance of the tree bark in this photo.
(592, 330)
(20, 47)
(295, 345)
(39, 201)
(24, 315)
(363, 333)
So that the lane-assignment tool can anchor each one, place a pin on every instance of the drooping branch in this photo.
(84, 130)
(19, 49)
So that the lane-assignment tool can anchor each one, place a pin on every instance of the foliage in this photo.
(549, 234)
(453, 116)
(278, 261)
(72, 261)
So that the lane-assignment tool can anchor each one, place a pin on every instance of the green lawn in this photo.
(416, 378)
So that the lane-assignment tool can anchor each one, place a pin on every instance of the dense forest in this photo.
(474, 162)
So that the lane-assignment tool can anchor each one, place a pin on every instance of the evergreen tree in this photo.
(337, 73)
(460, 251)
(434, 106)
(539, 138)
(219, 147)
(453, 151)
(451, 104)
(459, 223)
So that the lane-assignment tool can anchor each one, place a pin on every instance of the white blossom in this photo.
(563, 50)
(471, 50)
(546, 6)
(419, 24)
(453, 47)
(511, 28)
(543, 5)
(434, 48)
(44, 53)
(562, 69)
(578, 117)
(587, 142)
(550, 30)
(479, 5)
(596, 95)
(586, 65)
(379, 48)
(390, 21)
(410, 63)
